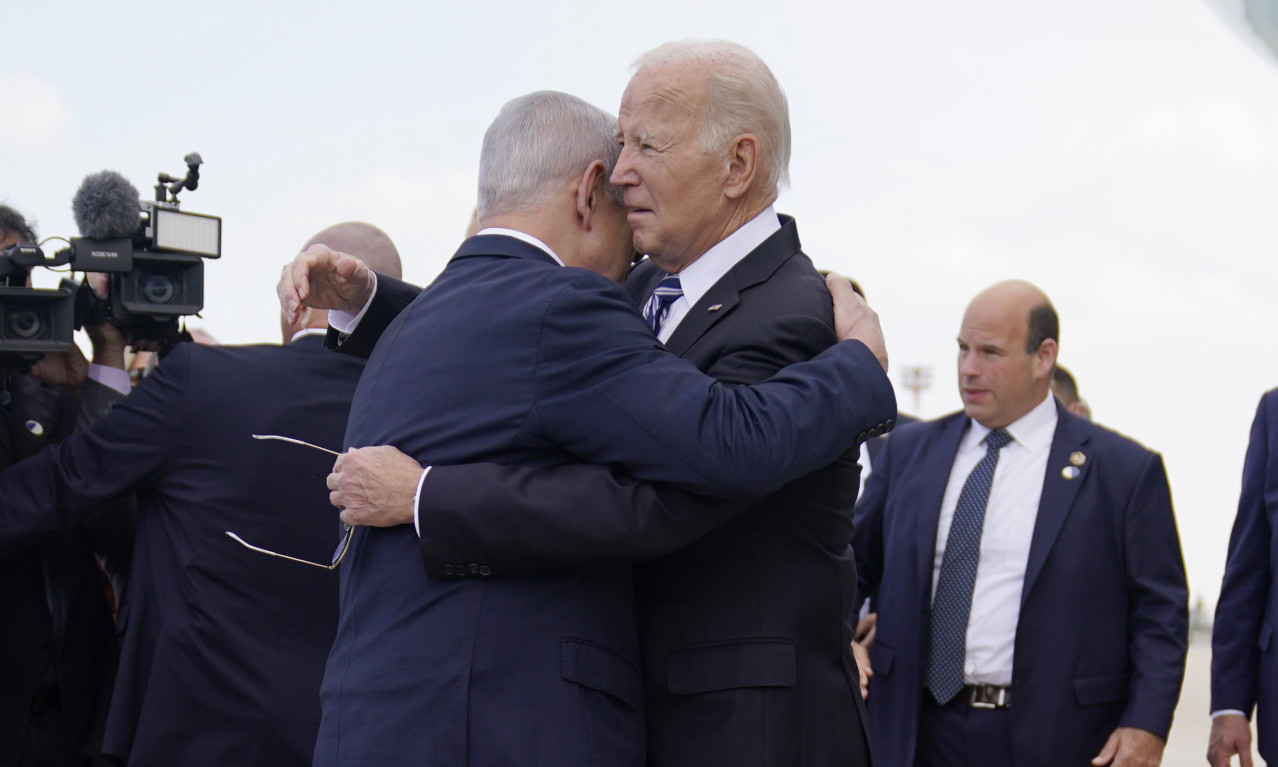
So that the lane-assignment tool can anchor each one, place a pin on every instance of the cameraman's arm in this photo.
(124, 451)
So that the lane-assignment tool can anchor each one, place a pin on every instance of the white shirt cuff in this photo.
(112, 378)
(1224, 711)
(345, 322)
(417, 497)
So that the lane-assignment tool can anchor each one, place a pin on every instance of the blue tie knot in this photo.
(658, 307)
(998, 439)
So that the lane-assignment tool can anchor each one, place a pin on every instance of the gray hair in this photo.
(743, 96)
(538, 141)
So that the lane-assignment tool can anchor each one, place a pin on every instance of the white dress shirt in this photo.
(1010, 513)
(697, 277)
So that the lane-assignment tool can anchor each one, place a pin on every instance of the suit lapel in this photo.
(1058, 491)
(933, 476)
(719, 301)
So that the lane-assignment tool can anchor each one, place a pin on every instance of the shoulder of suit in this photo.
(1107, 439)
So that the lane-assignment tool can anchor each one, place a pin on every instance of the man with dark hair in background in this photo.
(1032, 603)
(223, 647)
(1066, 390)
(58, 650)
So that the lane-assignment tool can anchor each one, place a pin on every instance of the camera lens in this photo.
(160, 287)
(25, 323)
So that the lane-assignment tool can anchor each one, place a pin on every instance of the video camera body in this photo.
(153, 251)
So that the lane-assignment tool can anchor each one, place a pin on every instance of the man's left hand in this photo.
(1131, 747)
(374, 486)
(862, 656)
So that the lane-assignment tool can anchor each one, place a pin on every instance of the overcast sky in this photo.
(1121, 155)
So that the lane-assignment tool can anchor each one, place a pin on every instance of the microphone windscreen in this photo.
(106, 207)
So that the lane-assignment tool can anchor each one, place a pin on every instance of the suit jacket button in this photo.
(861, 437)
(448, 570)
(890, 423)
(474, 569)
(485, 570)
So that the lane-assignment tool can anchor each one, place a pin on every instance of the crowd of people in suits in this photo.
(588, 512)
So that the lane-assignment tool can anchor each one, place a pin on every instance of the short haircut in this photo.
(1043, 324)
(537, 142)
(14, 223)
(364, 241)
(1066, 388)
(743, 97)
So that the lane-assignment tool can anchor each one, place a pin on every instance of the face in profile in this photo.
(671, 187)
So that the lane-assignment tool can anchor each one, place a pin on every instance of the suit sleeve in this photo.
(606, 389)
(127, 448)
(391, 297)
(110, 526)
(521, 519)
(517, 518)
(1244, 592)
(1159, 602)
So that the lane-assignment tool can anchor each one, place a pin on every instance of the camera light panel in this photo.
(193, 233)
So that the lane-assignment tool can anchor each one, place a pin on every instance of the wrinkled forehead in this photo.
(669, 93)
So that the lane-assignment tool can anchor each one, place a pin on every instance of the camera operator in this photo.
(58, 650)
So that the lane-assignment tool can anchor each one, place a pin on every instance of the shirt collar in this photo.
(528, 238)
(697, 277)
(1032, 431)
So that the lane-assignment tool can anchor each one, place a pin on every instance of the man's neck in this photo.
(738, 216)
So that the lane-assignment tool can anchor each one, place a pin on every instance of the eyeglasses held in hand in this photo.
(348, 531)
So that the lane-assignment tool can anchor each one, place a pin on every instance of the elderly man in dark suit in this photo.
(1026, 567)
(745, 651)
(1244, 672)
(508, 358)
(223, 647)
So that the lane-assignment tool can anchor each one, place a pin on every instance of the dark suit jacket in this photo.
(509, 358)
(223, 648)
(55, 621)
(1103, 624)
(745, 650)
(1244, 653)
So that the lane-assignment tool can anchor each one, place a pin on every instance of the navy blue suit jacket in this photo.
(222, 648)
(1103, 625)
(509, 358)
(1244, 653)
(745, 652)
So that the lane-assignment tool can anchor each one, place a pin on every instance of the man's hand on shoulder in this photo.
(1131, 747)
(323, 278)
(854, 320)
(1230, 735)
(375, 486)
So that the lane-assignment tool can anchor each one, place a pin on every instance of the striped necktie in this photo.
(658, 307)
(952, 605)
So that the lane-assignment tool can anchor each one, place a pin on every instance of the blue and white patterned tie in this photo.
(952, 604)
(658, 306)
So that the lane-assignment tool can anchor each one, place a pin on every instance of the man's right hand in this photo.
(854, 320)
(1230, 734)
(322, 278)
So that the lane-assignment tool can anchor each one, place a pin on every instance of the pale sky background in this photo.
(1121, 155)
